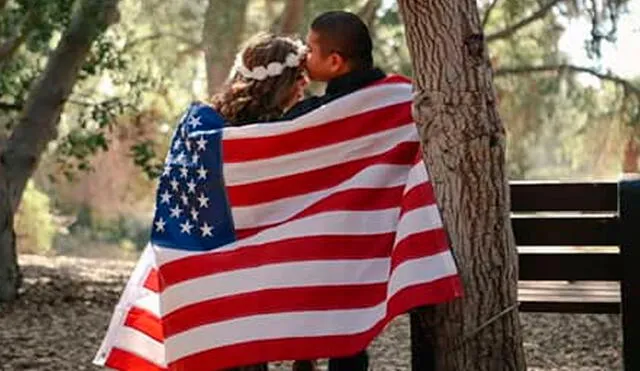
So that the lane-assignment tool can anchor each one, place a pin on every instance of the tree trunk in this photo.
(224, 24)
(38, 124)
(464, 147)
(631, 155)
(292, 16)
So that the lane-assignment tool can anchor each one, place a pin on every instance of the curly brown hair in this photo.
(243, 100)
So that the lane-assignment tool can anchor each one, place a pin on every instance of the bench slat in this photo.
(570, 267)
(554, 196)
(566, 231)
(564, 297)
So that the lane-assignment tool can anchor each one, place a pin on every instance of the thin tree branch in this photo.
(521, 70)
(487, 13)
(368, 11)
(510, 30)
(10, 106)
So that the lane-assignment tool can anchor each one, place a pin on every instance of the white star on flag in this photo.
(202, 173)
(185, 199)
(167, 171)
(176, 211)
(194, 214)
(191, 186)
(204, 201)
(160, 225)
(177, 144)
(201, 144)
(184, 172)
(165, 197)
(206, 230)
(174, 184)
(186, 227)
(195, 121)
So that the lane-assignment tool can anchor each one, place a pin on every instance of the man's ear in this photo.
(338, 63)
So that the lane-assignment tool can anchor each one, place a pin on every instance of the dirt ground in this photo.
(63, 312)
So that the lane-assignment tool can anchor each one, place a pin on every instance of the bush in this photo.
(34, 225)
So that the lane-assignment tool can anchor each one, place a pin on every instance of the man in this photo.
(340, 54)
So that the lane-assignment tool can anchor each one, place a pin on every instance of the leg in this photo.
(304, 366)
(261, 367)
(357, 362)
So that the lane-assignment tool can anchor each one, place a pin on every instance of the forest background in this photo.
(567, 75)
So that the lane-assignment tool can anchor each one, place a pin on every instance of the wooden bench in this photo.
(579, 250)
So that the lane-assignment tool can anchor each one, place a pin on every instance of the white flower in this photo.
(292, 60)
(259, 73)
(275, 68)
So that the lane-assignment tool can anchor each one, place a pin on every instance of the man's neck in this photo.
(353, 80)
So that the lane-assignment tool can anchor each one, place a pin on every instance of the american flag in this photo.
(289, 240)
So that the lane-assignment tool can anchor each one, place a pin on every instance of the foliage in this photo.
(34, 222)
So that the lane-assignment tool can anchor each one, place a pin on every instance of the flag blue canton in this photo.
(192, 209)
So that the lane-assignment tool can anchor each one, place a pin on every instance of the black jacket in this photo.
(336, 88)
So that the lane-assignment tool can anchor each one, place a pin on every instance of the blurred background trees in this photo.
(93, 191)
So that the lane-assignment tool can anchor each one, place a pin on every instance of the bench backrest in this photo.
(567, 214)
(584, 214)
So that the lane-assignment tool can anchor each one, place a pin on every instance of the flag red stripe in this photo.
(417, 197)
(361, 199)
(419, 245)
(315, 180)
(152, 281)
(357, 126)
(315, 248)
(248, 353)
(146, 322)
(120, 359)
(295, 299)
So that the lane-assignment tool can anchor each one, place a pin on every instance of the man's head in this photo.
(339, 42)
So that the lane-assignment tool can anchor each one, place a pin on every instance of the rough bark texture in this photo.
(38, 124)
(224, 25)
(464, 147)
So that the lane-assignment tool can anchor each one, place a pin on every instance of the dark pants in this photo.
(357, 362)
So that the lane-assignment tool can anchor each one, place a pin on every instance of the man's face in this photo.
(323, 67)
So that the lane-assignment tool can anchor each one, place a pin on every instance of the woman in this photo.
(267, 79)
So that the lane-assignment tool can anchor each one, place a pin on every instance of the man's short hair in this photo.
(346, 34)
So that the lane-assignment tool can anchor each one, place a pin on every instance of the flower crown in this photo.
(260, 73)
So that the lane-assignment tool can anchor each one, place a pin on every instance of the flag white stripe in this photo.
(417, 271)
(307, 323)
(132, 292)
(136, 342)
(319, 158)
(373, 177)
(417, 175)
(331, 223)
(418, 220)
(359, 102)
(275, 276)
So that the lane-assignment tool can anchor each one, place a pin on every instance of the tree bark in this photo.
(222, 32)
(38, 124)
(631, 154)
(292, 16)
(464, 148)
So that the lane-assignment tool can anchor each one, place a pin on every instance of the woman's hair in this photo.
(248, 99)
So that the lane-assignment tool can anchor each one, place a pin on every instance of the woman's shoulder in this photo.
(199, 114)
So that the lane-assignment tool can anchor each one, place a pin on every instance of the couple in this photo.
(267, 83)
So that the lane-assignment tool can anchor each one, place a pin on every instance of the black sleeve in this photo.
(302, 107)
